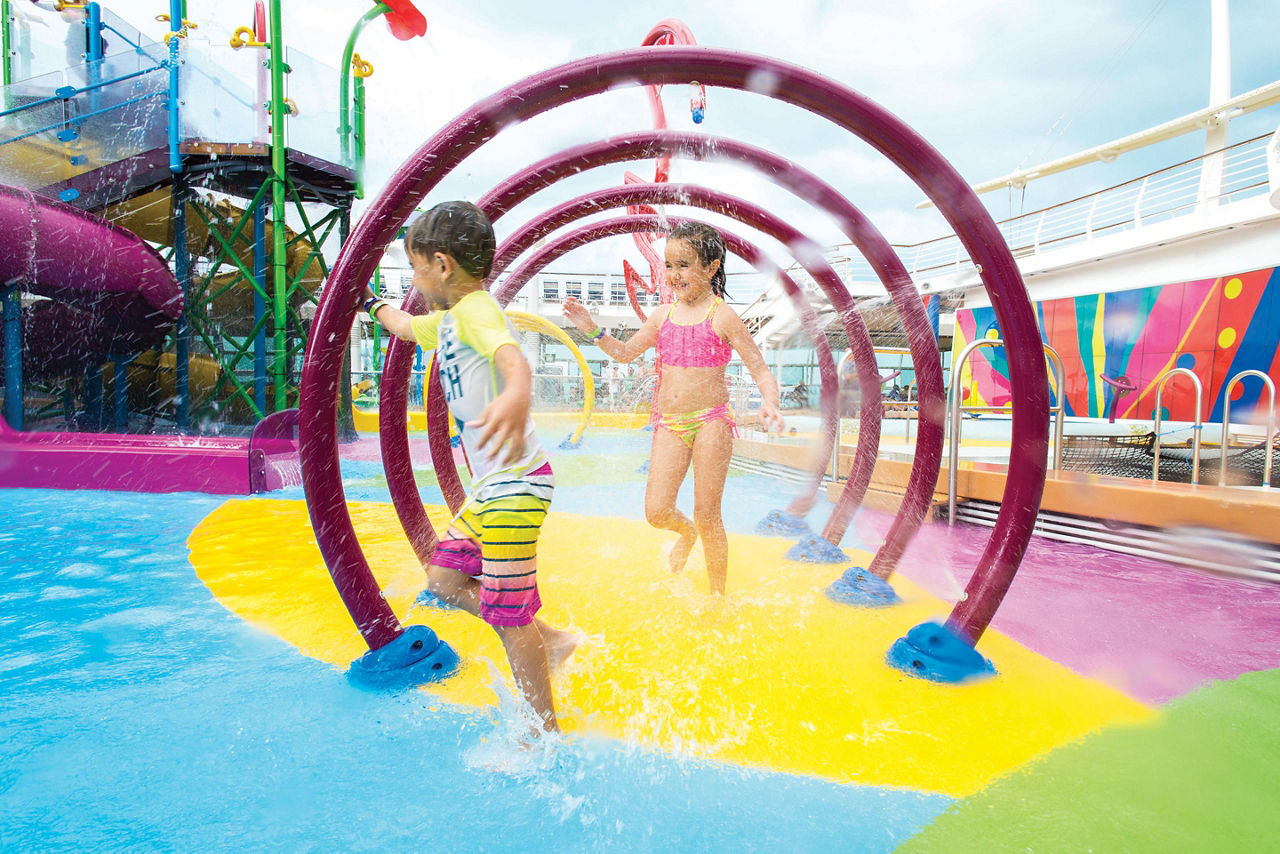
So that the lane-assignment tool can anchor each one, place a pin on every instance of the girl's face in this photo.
(689, 278)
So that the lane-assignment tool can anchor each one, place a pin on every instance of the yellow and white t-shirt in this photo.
(465, 339)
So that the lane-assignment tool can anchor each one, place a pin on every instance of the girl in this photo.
(695, 336)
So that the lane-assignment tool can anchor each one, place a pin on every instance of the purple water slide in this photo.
(111, 293)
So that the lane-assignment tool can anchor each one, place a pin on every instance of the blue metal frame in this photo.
(12, 297)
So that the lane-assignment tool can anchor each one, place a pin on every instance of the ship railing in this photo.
(1159, 196)
(955, 406)
(1197, 428)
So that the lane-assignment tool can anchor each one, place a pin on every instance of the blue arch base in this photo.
(427, 599)
(814, 549)
(414, 658)
(780, 523)
(863, 589)
(567, 444)
(934, 652)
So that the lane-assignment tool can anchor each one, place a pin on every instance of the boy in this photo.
(486, 563)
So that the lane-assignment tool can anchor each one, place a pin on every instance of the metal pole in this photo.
(953, 411)
(344, 79)
(6, 45)
(120, 392)
(12, 297)
(359, 134)
(377, 327)
(1226, 424)
(1060, 410)
(175, 64)
(1197, 428)
(280, 274)
(182, 330)
(260, 304)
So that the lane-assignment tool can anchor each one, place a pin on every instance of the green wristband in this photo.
(596, 334)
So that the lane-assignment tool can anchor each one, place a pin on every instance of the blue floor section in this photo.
(138, 713)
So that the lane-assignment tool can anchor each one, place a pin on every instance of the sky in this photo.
(994, 86)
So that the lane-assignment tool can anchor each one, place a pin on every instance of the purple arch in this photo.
(862, 233)
(322, 480)
(860, 341)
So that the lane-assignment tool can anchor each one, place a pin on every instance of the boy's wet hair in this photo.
(709, 246)
(458, 229)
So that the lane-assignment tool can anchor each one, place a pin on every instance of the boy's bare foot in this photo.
(680, 552)
(559, 645)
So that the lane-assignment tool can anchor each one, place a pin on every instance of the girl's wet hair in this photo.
(458, 229)
(709, 246)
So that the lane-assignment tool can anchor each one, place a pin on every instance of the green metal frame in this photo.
(227, 232)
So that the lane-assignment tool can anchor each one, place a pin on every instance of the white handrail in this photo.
(1226, 424)
(954, 406)
(1198, 427)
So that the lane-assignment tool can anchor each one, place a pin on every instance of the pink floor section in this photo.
(1151, 629)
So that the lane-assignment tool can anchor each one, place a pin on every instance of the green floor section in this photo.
(1204, 777)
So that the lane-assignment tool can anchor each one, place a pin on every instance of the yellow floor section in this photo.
(774, 676)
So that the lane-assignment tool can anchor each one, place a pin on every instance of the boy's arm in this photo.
(398, 323)
(620, 351)
(503, 422)
(728, 324)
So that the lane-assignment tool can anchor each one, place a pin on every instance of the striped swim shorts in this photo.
(498, 546)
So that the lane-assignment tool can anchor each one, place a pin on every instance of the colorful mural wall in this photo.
(1213, 327)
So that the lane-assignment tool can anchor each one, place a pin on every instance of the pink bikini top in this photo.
(695, 345)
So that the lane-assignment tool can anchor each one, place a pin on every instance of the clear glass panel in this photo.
(117, 119)
(43, 42)
(224, 93)
(31, 155)
(313, 88)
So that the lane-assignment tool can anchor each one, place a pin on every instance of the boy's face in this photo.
(429, 278)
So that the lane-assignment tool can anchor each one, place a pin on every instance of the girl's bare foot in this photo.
(680, 552)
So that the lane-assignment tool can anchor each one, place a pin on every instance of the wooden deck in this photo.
(1253, 513)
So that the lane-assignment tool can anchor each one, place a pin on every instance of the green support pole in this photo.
(346, 415)
(359, 135)
(279, 273)
(377, 327)
(6, 44)
(344, 80)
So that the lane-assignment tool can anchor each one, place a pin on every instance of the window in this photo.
(573, 289)
(550, 291)
(617, 293)
(595, 293)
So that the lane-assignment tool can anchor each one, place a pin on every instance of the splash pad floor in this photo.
(1126, 710)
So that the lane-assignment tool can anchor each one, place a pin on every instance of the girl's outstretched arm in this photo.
(620, 351)
(730, 327)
